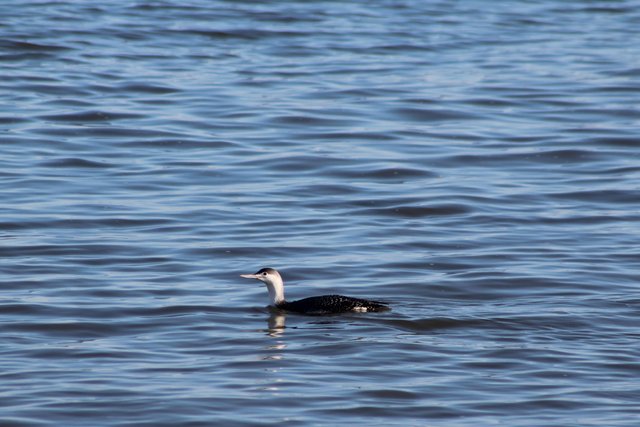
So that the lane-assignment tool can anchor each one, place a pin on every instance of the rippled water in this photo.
(477, 166)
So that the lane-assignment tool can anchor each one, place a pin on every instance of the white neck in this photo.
(276, 291)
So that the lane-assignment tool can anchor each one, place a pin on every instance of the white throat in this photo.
(276, 290)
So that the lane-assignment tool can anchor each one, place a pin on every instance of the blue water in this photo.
(475, 164)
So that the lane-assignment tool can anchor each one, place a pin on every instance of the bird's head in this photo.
(272, 279)
(266, 275)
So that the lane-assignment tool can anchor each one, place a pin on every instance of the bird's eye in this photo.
(264, 274)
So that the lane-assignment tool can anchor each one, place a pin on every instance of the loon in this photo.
(325, 304)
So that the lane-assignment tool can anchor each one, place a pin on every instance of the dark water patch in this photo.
(382, 174)
(390, 394)
(345, 136)
(88, 312)
(562, 156)
(309, 121)
(58, 89)
(300, 164)
(20, 57)
(428, 115)
(549, 404)
(74, 329)
(529, 157)
(405, 47)
(606, 9)
(104, 132)
(361, 93)
(600, 196)
(424, 265)
(21, 285)
(629, 72)
(588, 113)
(68, 102)
(7, 120)
(75, 163)
(492, 102)
(246, 34)
(26, 309)
(146, 88)
(326, 189)
(80, 223)
(588, 219)
(422, 101)
(12, 421)
(416, 211)
(404, 412)
(518, 92)
(631, 142)
(181, 310)
(381, 202)
(562, 103)
(437, 136)
(631, 368)
(283, 224)
(31, 78)
(82, 355)
(178, 143)
(90, 116)
(15, 45)
(358, 70)
(630, 112)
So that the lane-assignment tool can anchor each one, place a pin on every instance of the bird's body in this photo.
(328, 304)
(325, 304)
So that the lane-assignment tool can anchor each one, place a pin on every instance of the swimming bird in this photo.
(325, 304)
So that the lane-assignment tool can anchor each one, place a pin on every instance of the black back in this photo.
(331, 304)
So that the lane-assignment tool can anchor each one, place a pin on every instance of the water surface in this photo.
(475, 166)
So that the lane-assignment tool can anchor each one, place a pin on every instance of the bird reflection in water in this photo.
(275, 329)
(276, 323)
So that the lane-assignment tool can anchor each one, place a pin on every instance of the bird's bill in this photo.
(249, 276)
